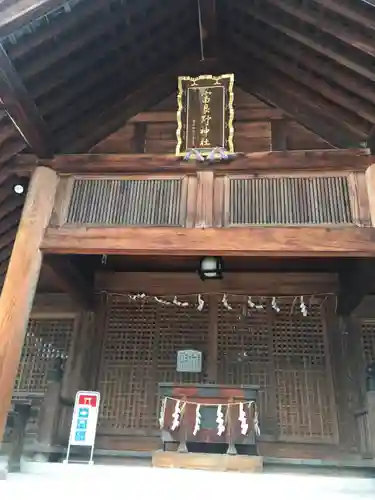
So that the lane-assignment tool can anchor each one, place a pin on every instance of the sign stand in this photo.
(84, 423)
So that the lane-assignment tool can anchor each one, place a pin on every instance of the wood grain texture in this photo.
(205, 199)
(252, 241)
(340, 159)
(370, 182)
(262, 283)
(21, 280)
(207, 461)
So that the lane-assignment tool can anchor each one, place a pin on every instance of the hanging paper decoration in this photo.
(220, 420)
(162, 412)
(256, 424)
(197, 425)
(200, 305)
(176, 416)
(250, 302)
(178, 303)
(242, 419)
(274, 305)
(225, 302)
(138, 296)
(303, 306)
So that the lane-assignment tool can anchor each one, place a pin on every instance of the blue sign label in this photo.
(80, 436)
(82, 423)
(83, 413)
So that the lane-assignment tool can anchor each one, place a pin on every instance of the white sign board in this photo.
(85, 419)
(189, 361)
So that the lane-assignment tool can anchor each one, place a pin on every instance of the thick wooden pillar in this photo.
(370, 181)
(20, 283)
(347, 366)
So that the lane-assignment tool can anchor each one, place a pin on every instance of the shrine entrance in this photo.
(283, 351)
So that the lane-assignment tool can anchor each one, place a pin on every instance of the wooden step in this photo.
(207, 461)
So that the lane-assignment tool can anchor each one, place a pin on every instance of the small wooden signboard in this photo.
(205, 114)
(189, 361)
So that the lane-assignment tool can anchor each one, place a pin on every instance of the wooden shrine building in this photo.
(103, 228)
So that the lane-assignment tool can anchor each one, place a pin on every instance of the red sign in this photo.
(88, 400)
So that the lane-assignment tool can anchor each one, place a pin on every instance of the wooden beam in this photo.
(244, 241)
(57, 304)
(241, 115)
(22, 110)
(243, 283)
(352, 12)
(53, 30)
(315, 160)
(319, 47)
(357, 39)
(21, 280)
(303, 104)
(22, 12)
(370, 183)
(279, 43)
(71, 281)
(144, 97)
(356, 105)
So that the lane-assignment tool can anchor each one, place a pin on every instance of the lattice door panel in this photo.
(245, 356)
(46, 339)
(304, 393)
(127, 366)
(368, 340)
(140, 347)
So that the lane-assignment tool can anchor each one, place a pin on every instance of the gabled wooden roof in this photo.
(81, 67)
(74, 71)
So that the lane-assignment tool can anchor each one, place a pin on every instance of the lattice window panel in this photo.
(180, 328)
(45, 340)
(126, 365)
(245, 356)
(368, 340)
(140, 347)
(304, 397)
(289, 200)
(126, 202)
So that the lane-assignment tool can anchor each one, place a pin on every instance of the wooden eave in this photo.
(74, 58)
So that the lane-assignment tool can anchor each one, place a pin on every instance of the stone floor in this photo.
(58, 481)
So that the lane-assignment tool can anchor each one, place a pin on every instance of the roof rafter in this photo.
(353, 104)
(297, 102)
(275, 41)
(21, 109)
(143, 98)
(339, 7)
(305, 14)
(22, 12)
(260, 14)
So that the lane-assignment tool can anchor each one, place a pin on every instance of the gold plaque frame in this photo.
(222, 134)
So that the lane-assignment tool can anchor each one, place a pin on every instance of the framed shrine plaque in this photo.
(205, 114)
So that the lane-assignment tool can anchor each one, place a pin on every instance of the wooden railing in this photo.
(287, 190)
